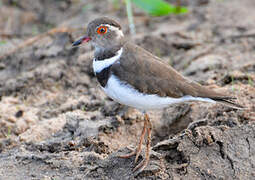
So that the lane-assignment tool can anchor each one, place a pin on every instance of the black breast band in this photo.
(103, 76)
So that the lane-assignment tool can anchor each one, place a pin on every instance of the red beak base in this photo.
(81, 40)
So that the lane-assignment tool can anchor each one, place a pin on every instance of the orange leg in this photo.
(139, 147)
(147, 126)
(145, 162)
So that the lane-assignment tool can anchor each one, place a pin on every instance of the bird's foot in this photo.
(140, 167)
(143, 164)
(133, 152)
(136, 152)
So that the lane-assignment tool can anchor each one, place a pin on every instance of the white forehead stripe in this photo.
(99, 65)
(113, 28)
(117, 30)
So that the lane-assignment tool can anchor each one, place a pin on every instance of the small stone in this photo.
(2, 66)
(19, 114)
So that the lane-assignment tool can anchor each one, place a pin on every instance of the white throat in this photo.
(99, 65)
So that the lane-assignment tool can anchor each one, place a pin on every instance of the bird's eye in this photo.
(102, 30)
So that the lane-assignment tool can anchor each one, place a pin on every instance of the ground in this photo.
(56, 123)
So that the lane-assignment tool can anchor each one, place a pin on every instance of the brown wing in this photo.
(148, 74)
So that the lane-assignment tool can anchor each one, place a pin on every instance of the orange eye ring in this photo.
(102, 30)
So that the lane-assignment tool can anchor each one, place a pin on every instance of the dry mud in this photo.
(56, 123)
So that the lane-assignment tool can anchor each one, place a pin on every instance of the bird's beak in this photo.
(81, 40)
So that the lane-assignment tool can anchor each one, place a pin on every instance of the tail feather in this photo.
(228, 101)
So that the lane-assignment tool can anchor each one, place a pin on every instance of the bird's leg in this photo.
(139, 147)
(145, 162)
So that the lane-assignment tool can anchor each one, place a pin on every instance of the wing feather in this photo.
(148, 74)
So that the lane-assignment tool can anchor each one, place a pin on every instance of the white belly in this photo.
(126, 94)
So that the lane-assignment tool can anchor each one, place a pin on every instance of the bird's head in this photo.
(103, 33)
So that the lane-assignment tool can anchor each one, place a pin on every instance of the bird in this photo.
(132, 76)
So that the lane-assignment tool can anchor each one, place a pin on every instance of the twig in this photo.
(201, 54)
(34, 39)
(252, 35)
(9, 35)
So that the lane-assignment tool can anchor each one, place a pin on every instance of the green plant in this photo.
(2, 42)
(116, 4)
(159, 7)
(250, 81)
(233, 83)
(153, 8)
(83, 108)
(9, 130)
(130, 16)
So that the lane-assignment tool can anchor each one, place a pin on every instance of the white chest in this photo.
(125, 94)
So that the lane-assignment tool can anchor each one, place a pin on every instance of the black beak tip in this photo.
(76, 43)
